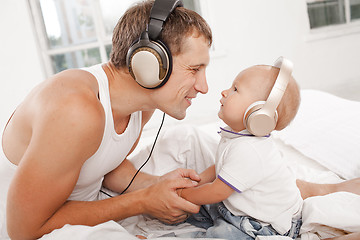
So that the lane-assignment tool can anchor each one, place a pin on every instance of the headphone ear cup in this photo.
(255, 106)
(259, 122)
(146, 67)
(149, 63)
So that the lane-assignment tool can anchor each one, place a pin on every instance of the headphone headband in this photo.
(159, 13)
(260, 117)
(280, 84)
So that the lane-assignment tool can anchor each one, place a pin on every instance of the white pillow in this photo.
(327, 129)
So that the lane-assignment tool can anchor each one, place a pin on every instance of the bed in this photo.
(321, 145)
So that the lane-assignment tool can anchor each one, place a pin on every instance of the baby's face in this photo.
(235, 101)
(246, 89)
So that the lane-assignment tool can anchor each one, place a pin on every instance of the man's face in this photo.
(187, 78)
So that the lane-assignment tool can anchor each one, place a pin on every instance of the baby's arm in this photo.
(210, 189)
(208, 175)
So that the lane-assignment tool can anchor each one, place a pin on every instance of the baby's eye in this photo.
(235, 89)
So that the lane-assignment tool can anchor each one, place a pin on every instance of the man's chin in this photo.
(179, 116)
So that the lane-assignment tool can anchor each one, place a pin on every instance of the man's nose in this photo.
(201, 84)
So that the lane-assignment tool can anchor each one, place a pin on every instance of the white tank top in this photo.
(113, 148)
(112, 151)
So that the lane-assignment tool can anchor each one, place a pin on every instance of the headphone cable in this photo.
(152, 148)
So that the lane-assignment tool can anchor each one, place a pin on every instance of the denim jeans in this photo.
(219, 222)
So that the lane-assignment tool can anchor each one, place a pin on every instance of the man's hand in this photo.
(163, 202)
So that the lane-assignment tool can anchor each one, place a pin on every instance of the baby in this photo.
(250, 191)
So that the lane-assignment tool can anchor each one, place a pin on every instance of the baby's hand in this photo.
(181, 173)
(179, 191)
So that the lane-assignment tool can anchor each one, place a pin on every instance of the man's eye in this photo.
(195, 70)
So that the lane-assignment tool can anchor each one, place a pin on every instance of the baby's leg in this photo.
(309, 189)
(352, 186)
(351, 236)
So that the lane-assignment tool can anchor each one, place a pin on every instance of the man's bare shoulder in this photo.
(67, 103)
(73, 95)
(64, 111)
(74, 80)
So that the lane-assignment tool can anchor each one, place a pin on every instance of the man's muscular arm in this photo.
(165, 203)
(66, 130)
(65, 133)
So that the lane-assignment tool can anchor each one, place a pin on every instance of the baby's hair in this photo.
(290, 101)
(289, 104)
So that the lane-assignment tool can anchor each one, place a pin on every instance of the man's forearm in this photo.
(119, 179)
(92, 213)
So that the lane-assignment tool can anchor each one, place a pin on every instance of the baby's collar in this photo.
(229, 133)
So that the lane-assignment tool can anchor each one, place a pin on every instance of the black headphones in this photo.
(148, 59)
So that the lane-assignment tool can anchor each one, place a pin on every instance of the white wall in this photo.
(245, 33)
(258, 31)
(20, 64)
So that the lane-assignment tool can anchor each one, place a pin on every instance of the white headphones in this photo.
(260, 118)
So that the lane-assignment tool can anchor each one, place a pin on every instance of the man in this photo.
(71, 135)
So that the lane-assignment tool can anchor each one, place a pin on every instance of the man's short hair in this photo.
(181, 24)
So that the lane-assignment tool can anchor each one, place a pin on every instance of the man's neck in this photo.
(126, 95)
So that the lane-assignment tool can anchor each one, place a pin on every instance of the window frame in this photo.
(46, 52)
(102, 39)
(334, 30)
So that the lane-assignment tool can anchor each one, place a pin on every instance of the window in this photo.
(354, 10)
(77, 33)
(332, 12)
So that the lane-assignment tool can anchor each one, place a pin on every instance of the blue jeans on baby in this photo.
(219, 222)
